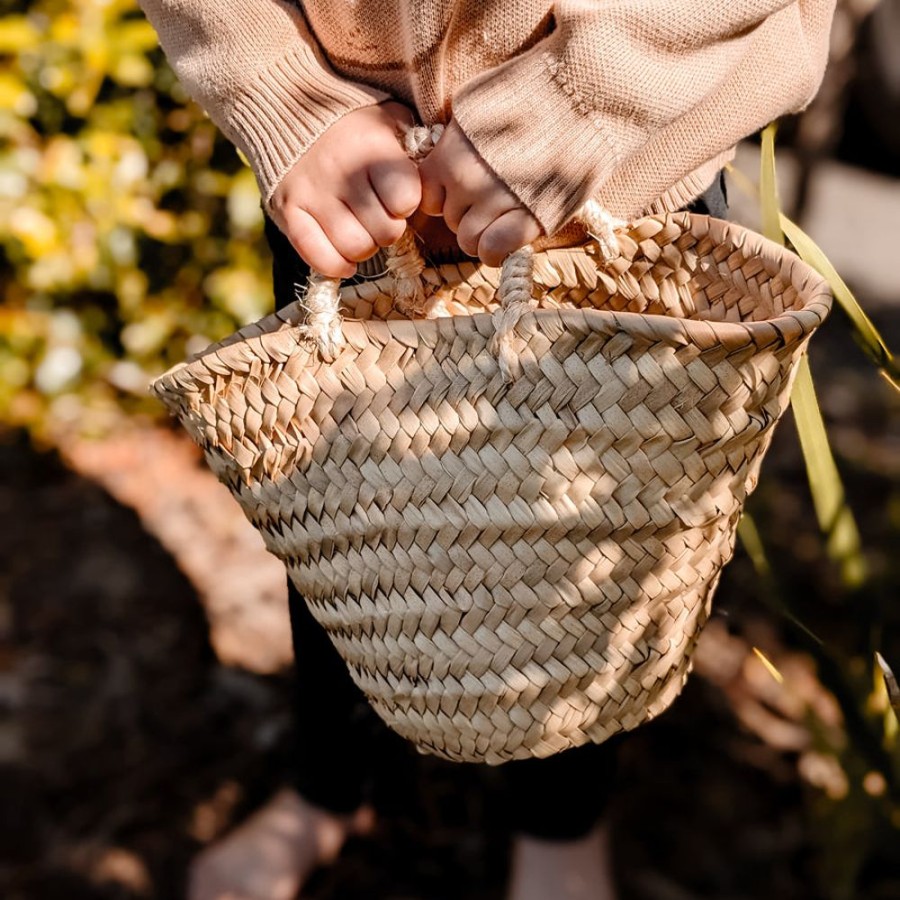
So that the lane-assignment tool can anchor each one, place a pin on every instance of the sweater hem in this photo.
(498, 112)
(288, 107)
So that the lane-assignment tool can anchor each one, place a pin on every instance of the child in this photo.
(636, 103)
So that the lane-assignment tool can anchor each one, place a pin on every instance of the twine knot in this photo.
(406, 265)
(323, 323)
(420, 140)
(601, 225)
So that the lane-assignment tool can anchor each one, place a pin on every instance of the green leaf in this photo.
(770, 204)
(865, 332)
(829, 498)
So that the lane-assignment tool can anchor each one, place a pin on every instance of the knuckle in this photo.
(301, 238)
(468, 240)
(403, 196)
(495, 245)
(410, 196)
(287, 195)
(389, 232)
(399, 186)
(278, 200)
(356, 247)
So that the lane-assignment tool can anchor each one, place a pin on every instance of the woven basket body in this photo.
(513, 569)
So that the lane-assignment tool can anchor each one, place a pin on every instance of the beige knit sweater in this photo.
(635, 102)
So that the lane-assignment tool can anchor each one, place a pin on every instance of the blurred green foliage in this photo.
(130, 231)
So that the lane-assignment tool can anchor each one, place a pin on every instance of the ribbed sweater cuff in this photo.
(523, 124)
(277, 117)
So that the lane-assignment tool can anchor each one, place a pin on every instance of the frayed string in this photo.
(601, 225)
(323, 322)
(405, 264)
(419, 140)
(404, 261)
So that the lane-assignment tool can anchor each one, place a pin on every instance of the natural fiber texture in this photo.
(404, 261)
(321, 300)
(510, 569)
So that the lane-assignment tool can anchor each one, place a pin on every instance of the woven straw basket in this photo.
(515, 563)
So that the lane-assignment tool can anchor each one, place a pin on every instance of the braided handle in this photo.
(405, 264)
(516, 284)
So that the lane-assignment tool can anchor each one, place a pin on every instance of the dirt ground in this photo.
(126, 744)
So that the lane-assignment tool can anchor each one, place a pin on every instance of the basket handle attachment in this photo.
(405, 264)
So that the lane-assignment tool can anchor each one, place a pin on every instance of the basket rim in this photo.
(788, 327)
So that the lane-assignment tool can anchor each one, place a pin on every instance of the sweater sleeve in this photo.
(625, 97)
(257, 70)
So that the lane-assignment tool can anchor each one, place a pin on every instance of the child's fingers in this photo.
(514, 229)
(383, 228)
(479, 217)
(397, 185)
(345, 232)
(434, 195)
(313, 245)
(456, 208)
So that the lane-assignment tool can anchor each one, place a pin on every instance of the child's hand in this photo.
(487, 218)
(351, 192)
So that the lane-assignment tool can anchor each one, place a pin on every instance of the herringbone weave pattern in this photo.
(512, 569)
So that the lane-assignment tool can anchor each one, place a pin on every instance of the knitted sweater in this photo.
(634, 102)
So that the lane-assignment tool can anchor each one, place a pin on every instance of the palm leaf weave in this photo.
(513, 568)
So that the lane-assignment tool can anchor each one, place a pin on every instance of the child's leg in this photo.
(271, 854)
(334, 724)
(579, 869)
(556, 808)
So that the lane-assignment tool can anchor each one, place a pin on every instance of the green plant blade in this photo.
(865, 332)
(769, 202)
(829, 498)
(749, 535)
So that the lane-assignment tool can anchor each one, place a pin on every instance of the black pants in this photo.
(343, 745)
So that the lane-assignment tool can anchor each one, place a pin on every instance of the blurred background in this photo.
(143, 667)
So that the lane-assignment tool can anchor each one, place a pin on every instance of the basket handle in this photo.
(405, 264)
